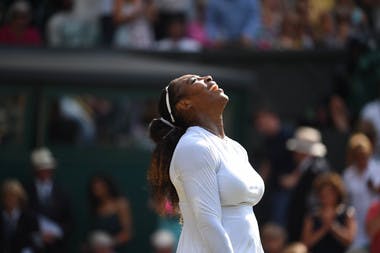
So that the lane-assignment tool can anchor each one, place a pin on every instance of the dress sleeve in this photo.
(196, 166)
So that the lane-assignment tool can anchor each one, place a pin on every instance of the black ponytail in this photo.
(166, 134)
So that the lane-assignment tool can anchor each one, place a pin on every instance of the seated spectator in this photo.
(19, 228)
(177, 40)
(233, 23)
(271, 17)
(110, 211)
(331, 227)
(327, 31)
(66, 29)
(273, 238)
(296, 247)
(163, 241)
(356, 178)
(133, 28)
(18, 31)
(293, 35)
(373, 226)
(50, 203)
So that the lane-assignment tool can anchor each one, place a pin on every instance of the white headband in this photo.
(167, 122)
(168, 104)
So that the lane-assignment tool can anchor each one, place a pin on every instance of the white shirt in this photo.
(371, 113)
(217, 188)
(360, 197)
(44, 189)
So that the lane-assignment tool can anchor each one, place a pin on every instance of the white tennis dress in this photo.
(217, 188)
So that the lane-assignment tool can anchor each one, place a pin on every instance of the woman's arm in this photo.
(309, 236)
(196, 168)
(120, 17)
(125, 218)
(345, 233)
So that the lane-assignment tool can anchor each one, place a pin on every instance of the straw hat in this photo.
(42, 159)
(307, 140)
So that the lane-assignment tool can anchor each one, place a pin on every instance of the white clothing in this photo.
(217, 188)
(136, 33)
(371, 113)
(65, 29)
(360, 197)
(44, 189)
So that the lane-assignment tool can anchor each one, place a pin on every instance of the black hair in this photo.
(112, 189)
(166, 138)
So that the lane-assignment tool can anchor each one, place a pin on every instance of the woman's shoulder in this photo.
(194, 140)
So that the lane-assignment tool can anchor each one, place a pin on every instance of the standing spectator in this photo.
(196, 28)
(331, 227)
(169, 9)
(373, 227)
(19, 228)
(110, 211)
(50, 203)
(233, 23)
(276, 165)
(308, 154)
(356, 178)
(18, 30)
(66, 29)
(133, 28)
(177, 40)
(370, 113)
(107, 27)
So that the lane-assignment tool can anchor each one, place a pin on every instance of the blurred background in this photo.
(80, 81)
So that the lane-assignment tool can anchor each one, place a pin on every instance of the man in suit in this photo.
(308, 154)
(50, 203)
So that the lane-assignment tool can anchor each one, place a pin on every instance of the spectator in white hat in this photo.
(100, 242)
(163, 241)
(49, 202)
(308, 154)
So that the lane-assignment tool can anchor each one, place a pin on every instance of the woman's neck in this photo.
(214, 125)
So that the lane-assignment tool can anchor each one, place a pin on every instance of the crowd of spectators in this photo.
(189, 25)
(309, 199)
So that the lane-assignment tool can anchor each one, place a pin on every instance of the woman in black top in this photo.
(331, 227)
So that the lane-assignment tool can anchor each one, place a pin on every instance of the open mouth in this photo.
(214, 87)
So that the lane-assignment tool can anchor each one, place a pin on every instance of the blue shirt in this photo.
(231, 19)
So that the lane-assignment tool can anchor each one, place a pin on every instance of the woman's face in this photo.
(328, 196)
(99, 188)
(361, 159)
(200, 93)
